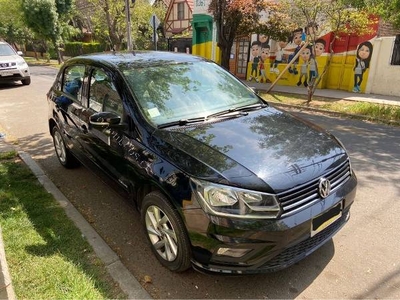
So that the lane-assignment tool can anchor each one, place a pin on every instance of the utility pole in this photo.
(128, 24)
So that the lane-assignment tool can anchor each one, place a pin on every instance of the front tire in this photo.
(63, 154)
(26, 81)
(166, 232)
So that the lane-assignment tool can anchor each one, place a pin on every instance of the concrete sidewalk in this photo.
(121, 275)
(334, 94)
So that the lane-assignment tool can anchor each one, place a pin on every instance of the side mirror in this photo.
(104, 119)
(255, 90)
(20, 53)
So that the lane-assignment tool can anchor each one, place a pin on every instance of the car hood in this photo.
(267, 150)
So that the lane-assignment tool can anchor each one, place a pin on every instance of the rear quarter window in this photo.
(73, 78)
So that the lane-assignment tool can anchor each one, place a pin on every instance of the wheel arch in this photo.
(52, 123)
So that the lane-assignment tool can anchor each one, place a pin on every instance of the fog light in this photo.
(232, 252)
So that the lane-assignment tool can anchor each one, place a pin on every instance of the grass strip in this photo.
(47, 256)
(389, 114)
(31, 61)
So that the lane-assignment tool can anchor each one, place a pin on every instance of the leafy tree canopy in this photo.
(42, 17)
(239, 17)
(109, 22)
(12, 22)
(389, 10)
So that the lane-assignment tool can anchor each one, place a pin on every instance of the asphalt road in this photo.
(362, 260)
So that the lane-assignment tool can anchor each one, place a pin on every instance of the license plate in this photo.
(320, 222)
(6, 73)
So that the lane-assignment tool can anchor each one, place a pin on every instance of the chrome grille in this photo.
(300, 197)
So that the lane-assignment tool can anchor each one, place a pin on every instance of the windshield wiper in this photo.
(229, 113)
(237, 111)
(181, 122)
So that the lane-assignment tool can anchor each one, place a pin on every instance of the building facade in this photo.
(361, 64)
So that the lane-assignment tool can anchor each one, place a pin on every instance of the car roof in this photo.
(137, 59)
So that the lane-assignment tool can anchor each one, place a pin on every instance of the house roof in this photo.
(166, 3)
(191, 4)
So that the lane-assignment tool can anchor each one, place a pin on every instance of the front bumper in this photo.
(237, 246)
(14, 74)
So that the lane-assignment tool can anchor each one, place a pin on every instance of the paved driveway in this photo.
(362, 261)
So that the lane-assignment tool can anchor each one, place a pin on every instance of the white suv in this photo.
(12, 66)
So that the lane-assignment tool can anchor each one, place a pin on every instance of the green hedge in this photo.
(78, 48)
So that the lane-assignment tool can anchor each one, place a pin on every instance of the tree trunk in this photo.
(59, 56)
(225, 56)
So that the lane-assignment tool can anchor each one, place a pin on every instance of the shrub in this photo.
(78, 48)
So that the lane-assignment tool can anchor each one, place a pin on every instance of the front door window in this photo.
(103, 95)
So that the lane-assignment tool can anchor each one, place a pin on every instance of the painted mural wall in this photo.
(349, 68)
(360, 64)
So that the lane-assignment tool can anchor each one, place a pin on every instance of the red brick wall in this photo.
(386, 29)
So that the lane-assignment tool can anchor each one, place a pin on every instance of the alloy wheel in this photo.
(60, 147)
(161, 233)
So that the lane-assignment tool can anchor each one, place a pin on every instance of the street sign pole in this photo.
(154, 32)
(154, 22)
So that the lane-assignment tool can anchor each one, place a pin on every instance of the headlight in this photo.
(344, 148)
(22, 64)
(230, 201)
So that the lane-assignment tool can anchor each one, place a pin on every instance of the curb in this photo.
(6, 288)
(127, 282)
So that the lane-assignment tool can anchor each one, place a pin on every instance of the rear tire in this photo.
(166, 232)
(63, 154)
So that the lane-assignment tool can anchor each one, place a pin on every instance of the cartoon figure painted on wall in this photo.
(280, 57)
(319, 47)
(317, 50)
(305, 56)
(363, 58)
(265, 49)
(295, 46)
(263, 39)
(255, 52)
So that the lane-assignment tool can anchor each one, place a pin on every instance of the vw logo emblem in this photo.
(324, 187)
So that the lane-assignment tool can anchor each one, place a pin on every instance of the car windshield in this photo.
(184, 91)
(6, 50)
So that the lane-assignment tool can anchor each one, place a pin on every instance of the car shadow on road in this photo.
(286, 284)
(10, 85)
(373, 148)
(39, 146)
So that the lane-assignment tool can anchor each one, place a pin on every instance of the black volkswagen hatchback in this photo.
(223, 181)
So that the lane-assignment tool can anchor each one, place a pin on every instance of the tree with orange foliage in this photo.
(242, 17)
